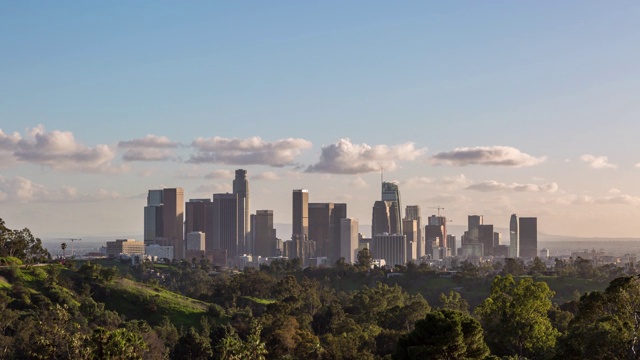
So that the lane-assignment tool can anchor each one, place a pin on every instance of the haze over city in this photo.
(480, 108)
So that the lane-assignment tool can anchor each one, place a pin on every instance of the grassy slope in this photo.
(139, 301)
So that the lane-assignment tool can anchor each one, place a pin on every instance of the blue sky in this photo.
(538, 93)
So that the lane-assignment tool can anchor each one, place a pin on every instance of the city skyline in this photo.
(479, 108)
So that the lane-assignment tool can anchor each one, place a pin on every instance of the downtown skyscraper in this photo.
(164, 219)
(391, 192)
(241, 190)
(513, 236)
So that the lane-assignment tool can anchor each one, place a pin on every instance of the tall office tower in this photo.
(225, 224)
(390, 192)
(381, 218)
(300, 213)
(410, 231)
(434, 235)
(474, 221)
(451, 244)
(153, 217)
(349, 239)
(390, 247)
(324, 228)
(497, 239)
(442, 222)
(339, 212)
(513, 236)
(163, 219)
(485, 237)
(412, 212)
(241, 189)
(196, 215)
(528, 237)
(320, 226)
(263, 233)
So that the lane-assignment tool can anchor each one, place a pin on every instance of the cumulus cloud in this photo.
(213, 188)
(486, 155)
(220, 174)
(250, 151)
(358, 183)
(344, 157)
(620, 199)
(148, 148)
(58, 150)
(267, 175)
(20, 189)
(597, 162)
(492, 185)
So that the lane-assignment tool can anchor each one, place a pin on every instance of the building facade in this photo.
(300, 220)
(528, 237)
(241, 190)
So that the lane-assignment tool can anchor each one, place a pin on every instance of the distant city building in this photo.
(390, 247)
(300, 247)
(196, 240)
(300, 223)
(324, 228)
(349, 239)
(528, 237)
(451, 245)
(391, 192)
(263, 233)
(162, 252)
(164, 219)
(381, 218)
(410, 231)
(544, 254)
(196, 215)
(497, 239)
(241, 190)
(472, 249)
(125, 246)
(474, 222)
(513, 236)
(412, 212)
(224, 231)
(485, 237)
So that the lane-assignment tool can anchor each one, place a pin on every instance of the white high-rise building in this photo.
(349, 239)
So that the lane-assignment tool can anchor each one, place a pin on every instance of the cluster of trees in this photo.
(20, 246)
(285, 312)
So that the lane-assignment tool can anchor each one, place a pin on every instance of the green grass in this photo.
(139, 301)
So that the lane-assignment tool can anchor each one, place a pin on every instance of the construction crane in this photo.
(436, 207)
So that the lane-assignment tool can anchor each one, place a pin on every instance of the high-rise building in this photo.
(451, 245)
(474, 221)
(153, 228)
(410, 231)
(163, 219)
(412, 212)
(513, 236)
(390, 247)
(324, 228)
(263, 233)
(300, 213)
(196, 215)
(485, 237)
(391, 192)
(381, 218)
(241, 190)
(349, 239)
(224, 229)
(528, 237)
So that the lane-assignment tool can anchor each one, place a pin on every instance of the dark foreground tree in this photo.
(443, 334)
(515, 319)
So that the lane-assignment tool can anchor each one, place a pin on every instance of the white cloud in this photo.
(486, 155)
(250, 151)
(597, 162)
(418, 181)
(148, 148)
(19, 189)
(220, 174)
(344, 157)
(267, 175)
(493, 185)
(58, 150)
(359, 183)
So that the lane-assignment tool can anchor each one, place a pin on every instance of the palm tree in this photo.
(63, 246)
